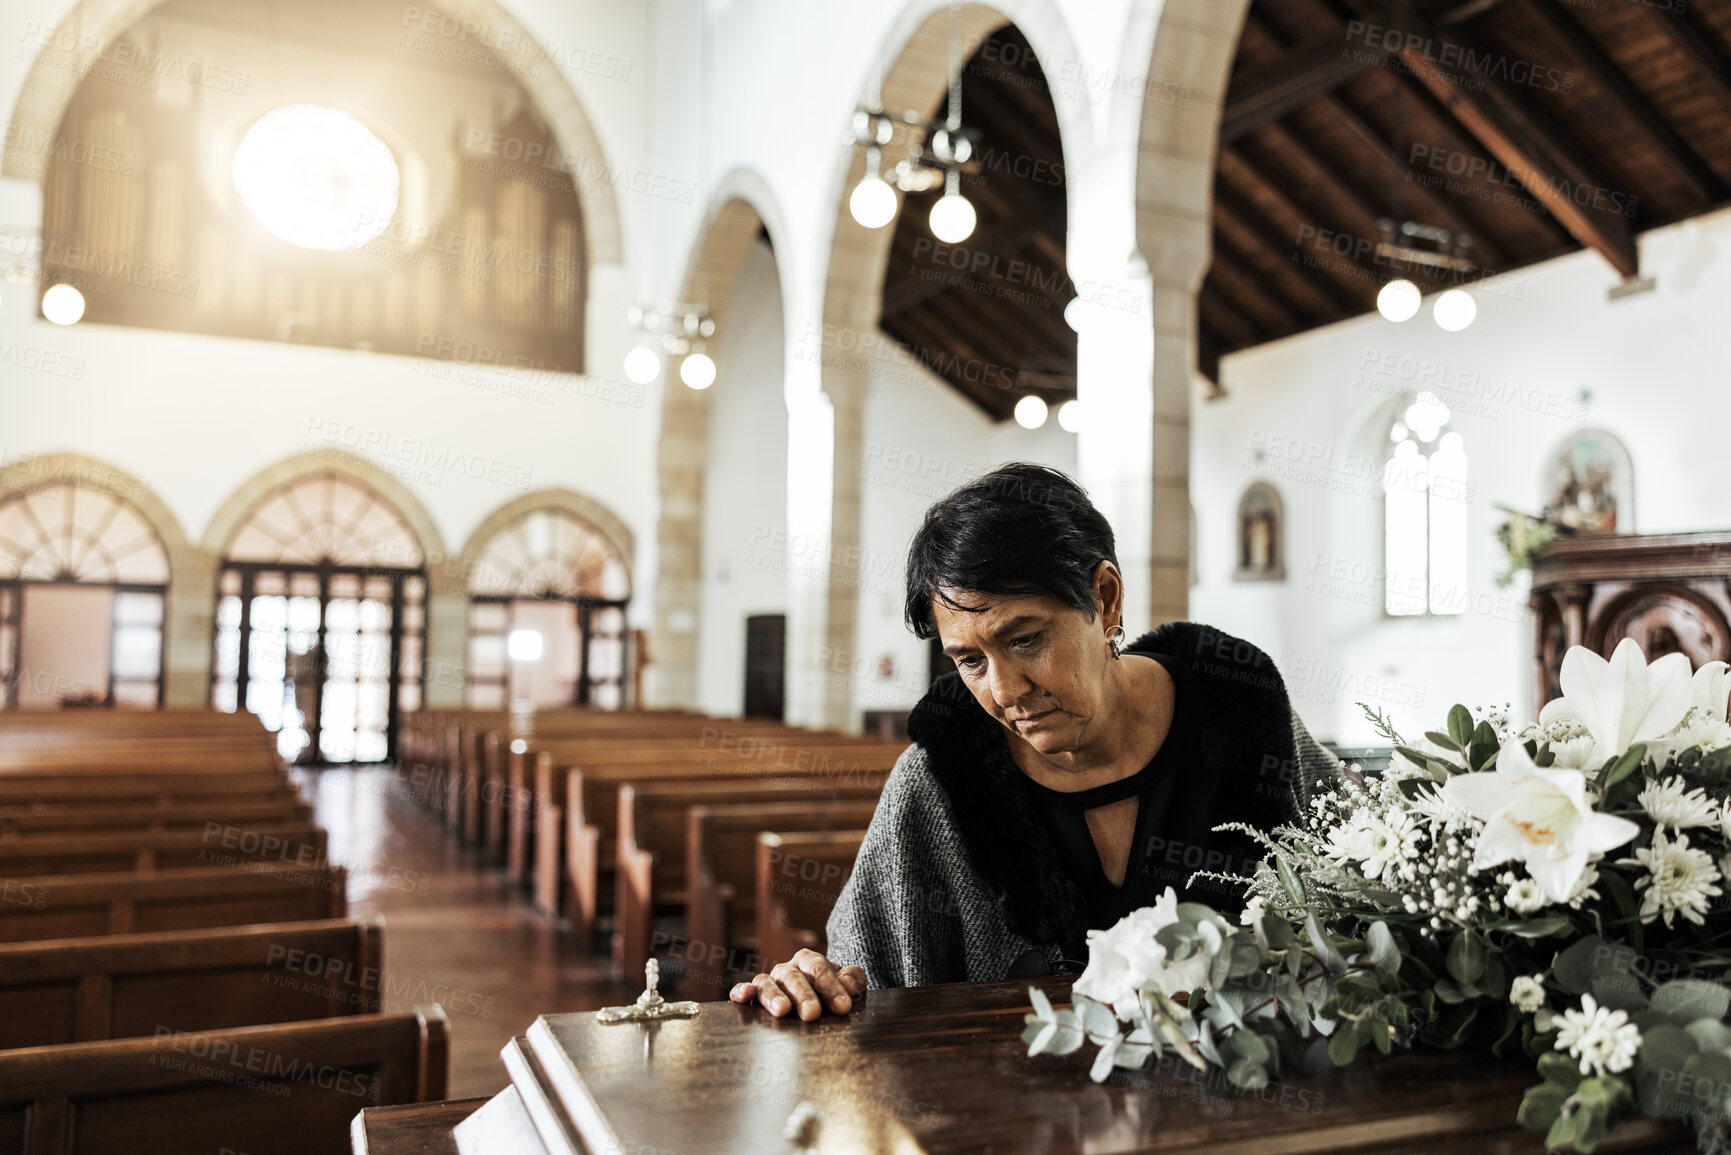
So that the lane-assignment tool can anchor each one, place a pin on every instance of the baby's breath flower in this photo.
(1527, 993)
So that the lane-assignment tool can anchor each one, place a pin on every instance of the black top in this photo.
(1145, 876)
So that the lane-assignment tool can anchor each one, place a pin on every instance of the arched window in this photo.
(321, 612)
(83, 582)
(550, 573)
(1425, 500)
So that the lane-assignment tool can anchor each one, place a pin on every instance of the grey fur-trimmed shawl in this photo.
(958, 879)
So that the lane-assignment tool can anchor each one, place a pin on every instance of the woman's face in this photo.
(1035, 664)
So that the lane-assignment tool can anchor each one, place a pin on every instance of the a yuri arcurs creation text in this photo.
(1557, 889)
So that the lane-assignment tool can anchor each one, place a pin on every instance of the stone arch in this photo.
(89, 473)
(226, 522)
(91, 25)
(191, 575)
(741, 206)
(918, 75)
(617, 533)
(1193, 45)
(823, 616)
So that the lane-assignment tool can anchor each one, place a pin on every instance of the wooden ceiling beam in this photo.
(1241, 269)
(926, 346)
(1686, 34)
(1540, 157)
(1245, 261)
(1246, 216)
(1246, 290)
(1336, 106)
(1261, 94)
(1000, 240)
(1225, 319)
(1685, 164)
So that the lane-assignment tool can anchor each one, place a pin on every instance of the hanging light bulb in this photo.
(1399, 300)
(63, 304)
(1073, 314)
(1455, 310)
(697, 370)
(642, 365)
(873, 203)
(1070, 417)
(953, 216)
(1031, 412)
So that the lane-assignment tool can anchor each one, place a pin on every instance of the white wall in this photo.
(745, 489)
(922, 440)
(1548, 356)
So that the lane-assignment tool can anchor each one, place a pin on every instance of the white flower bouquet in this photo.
(1553, 889)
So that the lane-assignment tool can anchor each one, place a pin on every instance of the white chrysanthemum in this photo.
(1389, 841)
(1438, 807)
(1350, 841)
(1679, 879)
(1527, 993)
(1602, 1039)
(1573, 753)
(1698, 731)
(1669, 804)
(1584, 891)
(1525, 896)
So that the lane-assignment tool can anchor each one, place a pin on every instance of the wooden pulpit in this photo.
(942, 1070)
(1670, 592)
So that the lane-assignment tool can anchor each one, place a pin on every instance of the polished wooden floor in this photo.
(455, 933)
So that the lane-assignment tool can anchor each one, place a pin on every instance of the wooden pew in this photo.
(141, 789)
(592, 804)
(213, 844)
(652, 873)
(799, 878)
(48, 755)
(77, 905)
(61, 817)
(130, 985)
(721, 876)
(288, 1089)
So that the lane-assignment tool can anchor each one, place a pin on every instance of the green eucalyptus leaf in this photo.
(1460, 725)
(1343, 1046)
(1289, 881)
(1622, 767)
(1466, 957)
(1710, 1036)
(1277, 931)
(1557, 1068)
(1483, 748)
(1686, 1000)
(1574, 964)
(1443, 740)
(1384, 955)
(1540, 1106)
(1323, 946)
(1496, 978)
(1247, 1075)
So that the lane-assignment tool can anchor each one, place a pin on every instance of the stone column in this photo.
(189, 628)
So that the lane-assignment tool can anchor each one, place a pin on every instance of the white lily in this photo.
(1711, 688)
(1539, 815)
(1622, 701)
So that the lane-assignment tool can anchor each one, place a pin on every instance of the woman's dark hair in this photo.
(1020, 529)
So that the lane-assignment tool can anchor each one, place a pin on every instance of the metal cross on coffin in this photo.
(650, 1006)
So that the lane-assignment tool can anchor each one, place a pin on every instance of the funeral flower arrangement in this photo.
(1555, 889)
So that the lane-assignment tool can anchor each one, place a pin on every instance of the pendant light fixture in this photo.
(953, 217)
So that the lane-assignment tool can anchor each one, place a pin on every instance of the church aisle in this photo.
(456, 933)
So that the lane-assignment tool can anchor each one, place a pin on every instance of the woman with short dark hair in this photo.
(1059, 779)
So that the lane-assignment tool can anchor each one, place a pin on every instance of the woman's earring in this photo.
(1115, 639)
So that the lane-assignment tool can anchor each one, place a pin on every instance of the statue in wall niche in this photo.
(1261, 550)
(1588, 484)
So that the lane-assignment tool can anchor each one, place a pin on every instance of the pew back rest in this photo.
(800, 876)
(213, 844)
(77, 905)
(289, 1089)
(131, 985)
